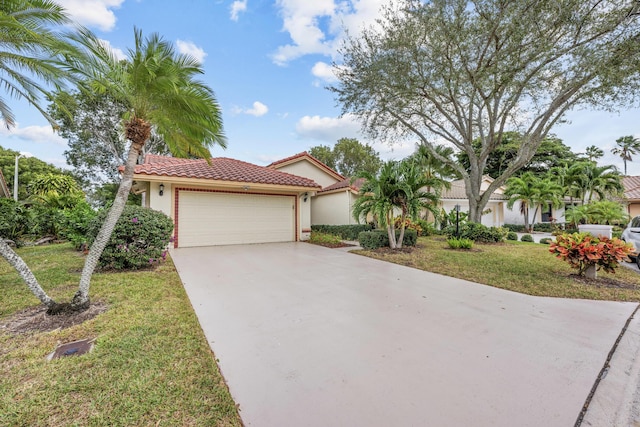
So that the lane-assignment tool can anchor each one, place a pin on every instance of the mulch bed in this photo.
(603, 282)
(35, 319)
(333, 246)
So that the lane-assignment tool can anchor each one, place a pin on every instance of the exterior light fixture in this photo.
(457, 208)
(305, 197)
(245, 187)
(161, 189)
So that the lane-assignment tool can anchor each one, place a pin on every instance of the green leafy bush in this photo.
(526, 238)
(428, 228)
(379, 238)
(455, 243)
(139, 239)
(477, 232)
(582, 250)
(76, 223)
(512, 235)
(345, 232)
(517, 228)
(408, 225)
(546, 240)
(13, 222)
(324, 238)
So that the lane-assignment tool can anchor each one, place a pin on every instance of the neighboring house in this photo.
(631, 186)
(333, 204)
(4, 190)
(496, 210)
(226, 201)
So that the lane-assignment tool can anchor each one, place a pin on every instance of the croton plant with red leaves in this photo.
(582, 250)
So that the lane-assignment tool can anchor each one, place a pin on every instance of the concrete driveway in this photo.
(309, 336)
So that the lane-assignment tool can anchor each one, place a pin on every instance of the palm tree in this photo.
(32, 58)
(161, 92)
(522, 189)
(596, 180)
(593, 153)
(627, 147)
(548, 192)
(31, 53)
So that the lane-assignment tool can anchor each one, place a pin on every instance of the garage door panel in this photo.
(207, 219)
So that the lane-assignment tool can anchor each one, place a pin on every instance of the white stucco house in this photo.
(226, 201)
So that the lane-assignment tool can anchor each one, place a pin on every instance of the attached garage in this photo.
(226, 201)
(207, 218)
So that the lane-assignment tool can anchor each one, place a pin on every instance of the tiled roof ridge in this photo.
(345, 183)
(306, 154)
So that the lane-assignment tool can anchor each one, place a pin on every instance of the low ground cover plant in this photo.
(325, 239)
(346, 232)
(455, 243)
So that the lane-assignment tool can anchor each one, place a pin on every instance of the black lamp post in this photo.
(457, 208)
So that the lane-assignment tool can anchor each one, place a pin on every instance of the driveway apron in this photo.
(310, 336)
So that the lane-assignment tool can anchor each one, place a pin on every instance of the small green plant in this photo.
(325, 239)
(346, 232)
(546, 240)
(379, 238)
(477, 232)
(512, 235)
(455, 243)
(582, 250)
(526, 238)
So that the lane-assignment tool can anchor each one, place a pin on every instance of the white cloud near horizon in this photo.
(236, 8)
(317, 27)
(191, 49)
(38, 134)
(328, 129)
(258, 110)
(93, 13)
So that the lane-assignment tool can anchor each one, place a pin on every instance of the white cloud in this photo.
(189, 48)
(324, 72)
(258, 109)
(39, 134)
(328, 129)
(93, 13)
(317, 27)
(237, 7)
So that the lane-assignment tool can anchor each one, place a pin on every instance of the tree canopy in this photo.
(458, 71)
(348, 157)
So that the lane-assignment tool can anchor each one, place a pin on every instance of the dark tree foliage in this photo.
(348, 157)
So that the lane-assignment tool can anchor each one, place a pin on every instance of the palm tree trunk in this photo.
(401, 237)
(80, 300)
(23, 270)
(391, 231)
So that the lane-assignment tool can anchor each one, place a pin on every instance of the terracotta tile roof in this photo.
(220, 169)
(457, 191)
(345, 183)
(631, 186)
(305, 155)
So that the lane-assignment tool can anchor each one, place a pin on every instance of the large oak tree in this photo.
(457, 71)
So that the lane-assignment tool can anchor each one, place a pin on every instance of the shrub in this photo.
(526, 238)
(324, 238)
(13, 220)
(545, 227)
(512, 235)
(477, 232)
(345, 232)
(546, 240)
(582, 250)
(139, 239)
(460, 243)
(517, 228)
(408, 225)
(428, 228)
(379, 238)
(76, 223)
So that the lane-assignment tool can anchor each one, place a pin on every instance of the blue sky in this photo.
(268, 63)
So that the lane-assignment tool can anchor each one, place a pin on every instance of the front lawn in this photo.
(528, 268)
(151, 365)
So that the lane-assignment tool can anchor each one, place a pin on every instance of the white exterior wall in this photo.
(495, 218)
(513, 215)
(305, 216)
(307, 170)
(332, 209)
(157, 202)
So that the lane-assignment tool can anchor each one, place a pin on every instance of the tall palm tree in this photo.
(593, 153)
(548, 192)
(32, 56)
(161, 92)
(627, 147)
(592, 180)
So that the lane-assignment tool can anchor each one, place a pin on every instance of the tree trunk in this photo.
(23, 270)
(391, 231)
(401, 237)
(80, 300)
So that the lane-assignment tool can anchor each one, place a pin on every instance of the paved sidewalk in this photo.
(310, 336)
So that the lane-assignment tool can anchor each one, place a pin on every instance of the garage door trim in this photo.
(176, 205)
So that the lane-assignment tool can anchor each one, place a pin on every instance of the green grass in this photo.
(521, 267)
(151, 365)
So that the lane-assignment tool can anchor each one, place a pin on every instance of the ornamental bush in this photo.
(460, 243)
(139, 239)
(526, 238)
(346, 232)
(380, 238)
(477, 232)
(512, 235)
(546, 240)
(582, 250)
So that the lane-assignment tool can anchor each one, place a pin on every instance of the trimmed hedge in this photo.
(517, 228)
(512, 235)
(546, 240)
(345, 232)
(527, 238)
(139, 239)
(477, 232)
(380, 238)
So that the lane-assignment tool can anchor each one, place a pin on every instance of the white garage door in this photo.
(206, 219)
